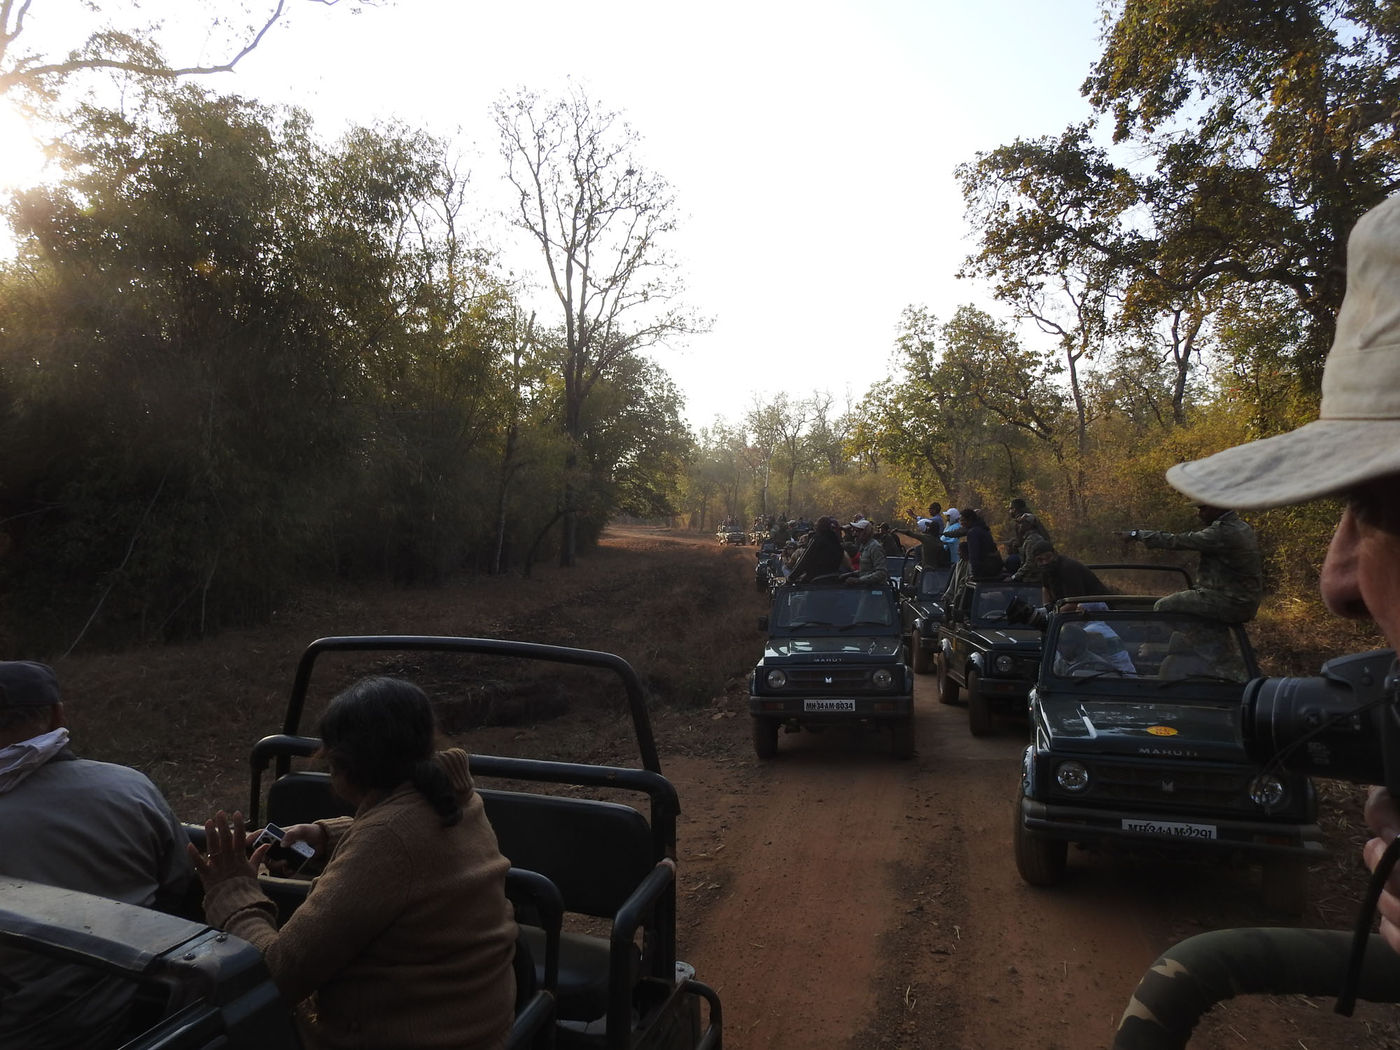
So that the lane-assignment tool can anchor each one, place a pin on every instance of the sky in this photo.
(811, 145)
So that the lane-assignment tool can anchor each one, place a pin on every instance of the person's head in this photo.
(935, 509)
(970, 516)
(379, 734)
(860, 528)
(825, 523)
(954, 515)
(1073, 641)
(1207, 513)
(1352, 450)
(1042, 553)
(30, 704)
(1018, 507)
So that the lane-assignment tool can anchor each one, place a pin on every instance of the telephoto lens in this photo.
(1341, 724)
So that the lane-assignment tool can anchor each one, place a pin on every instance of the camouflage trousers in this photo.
(1211, 604)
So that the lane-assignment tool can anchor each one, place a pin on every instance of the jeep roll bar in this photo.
(636, 695)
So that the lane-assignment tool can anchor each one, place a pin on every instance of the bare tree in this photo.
(599, 219)
(130, 50)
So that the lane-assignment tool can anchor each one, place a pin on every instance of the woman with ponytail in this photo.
(406, 940)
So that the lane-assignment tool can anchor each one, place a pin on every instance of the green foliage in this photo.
(233, 358)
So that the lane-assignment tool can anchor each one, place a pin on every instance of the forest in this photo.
(236, 358)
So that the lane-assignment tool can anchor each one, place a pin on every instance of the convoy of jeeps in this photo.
(1134, 719)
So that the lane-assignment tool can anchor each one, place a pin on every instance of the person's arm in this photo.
(1210, 538)
(349, 906)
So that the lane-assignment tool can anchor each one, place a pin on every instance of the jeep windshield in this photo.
(991, 601)
(1161, 648)
(834, 608)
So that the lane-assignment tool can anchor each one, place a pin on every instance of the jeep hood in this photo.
(995, 637)
(807, 646)
(1161, 730)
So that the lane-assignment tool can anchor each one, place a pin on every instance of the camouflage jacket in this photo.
(1230, 561)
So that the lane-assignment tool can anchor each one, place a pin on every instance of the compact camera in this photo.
(294, 854)
(1343, 724)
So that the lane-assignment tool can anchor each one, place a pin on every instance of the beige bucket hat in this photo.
(1357, 434)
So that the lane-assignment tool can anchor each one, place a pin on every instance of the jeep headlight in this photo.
(1003, 664)
(882, 678)
(1072, 776)
(1267, 791)
(776, 679)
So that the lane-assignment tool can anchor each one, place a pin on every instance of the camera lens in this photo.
(1333, 725)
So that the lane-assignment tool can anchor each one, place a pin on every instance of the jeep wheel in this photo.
(1040, 861)
(902, 738)
(918, 655)
(765, 737)
(979, 713)
(947, 688)
(1286, 885)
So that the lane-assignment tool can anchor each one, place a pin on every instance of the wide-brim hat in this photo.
(1356, 436)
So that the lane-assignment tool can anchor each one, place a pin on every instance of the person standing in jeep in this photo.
(872, 555)
(824, 555)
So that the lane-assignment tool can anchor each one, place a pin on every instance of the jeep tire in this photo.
(947, 688)
(765, 737)
(918, 655)
(1040, 861)
(979, 713)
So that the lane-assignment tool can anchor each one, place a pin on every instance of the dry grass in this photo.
(188, 714)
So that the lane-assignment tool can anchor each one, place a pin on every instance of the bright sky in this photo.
(811, 144)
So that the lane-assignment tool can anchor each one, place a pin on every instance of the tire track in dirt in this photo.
(811, 844)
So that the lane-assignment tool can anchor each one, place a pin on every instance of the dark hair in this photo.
(380, 733)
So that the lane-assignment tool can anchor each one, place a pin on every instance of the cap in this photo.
(27, 684)
(1356, 436)
(860, 523)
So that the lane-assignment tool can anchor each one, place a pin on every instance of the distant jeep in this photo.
(921, 600)
(833, 656)
(990, 660)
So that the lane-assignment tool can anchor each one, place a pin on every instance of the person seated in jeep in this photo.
(70, 822)
(406, 939)
(1081, 652)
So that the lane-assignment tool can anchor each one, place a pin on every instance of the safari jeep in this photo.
(834, 656)
(983, 655)
(1137, 745)
(604, 870)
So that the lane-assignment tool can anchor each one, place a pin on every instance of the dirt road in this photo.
(839, 898)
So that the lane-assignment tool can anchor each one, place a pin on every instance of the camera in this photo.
(293, 855)
(1343, 724)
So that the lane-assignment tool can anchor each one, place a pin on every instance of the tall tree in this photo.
(599, 219)
(1273, 125)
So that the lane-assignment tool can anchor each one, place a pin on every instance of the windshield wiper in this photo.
(809, 623)
(864, 623)
(1199, 676)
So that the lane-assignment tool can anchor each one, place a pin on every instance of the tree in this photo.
(1273, 126)
(600, 220)
(129, 49)
(778, 424)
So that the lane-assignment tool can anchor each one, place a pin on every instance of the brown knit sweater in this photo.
(405, 941)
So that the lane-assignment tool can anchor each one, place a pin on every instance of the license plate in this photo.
(1170, 829)
(828, 705)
